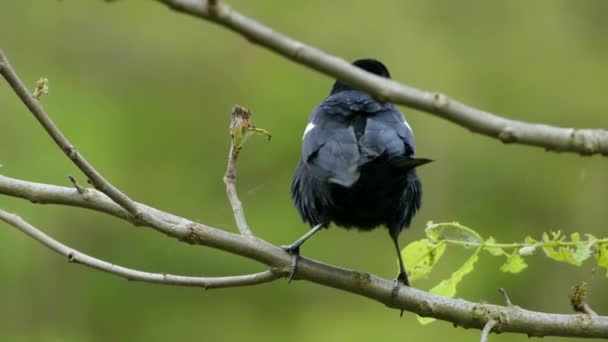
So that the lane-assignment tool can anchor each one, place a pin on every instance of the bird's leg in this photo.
(294, 249)
(402, 277)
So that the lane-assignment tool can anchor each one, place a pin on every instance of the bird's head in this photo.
(370, 65)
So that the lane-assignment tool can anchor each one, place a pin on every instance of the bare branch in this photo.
(39, 193)
(582, 141)
(240, 117)
(100, 183)
(487, 329)
(458, 311)
(130, 274)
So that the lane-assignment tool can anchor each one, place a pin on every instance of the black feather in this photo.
(358, 162)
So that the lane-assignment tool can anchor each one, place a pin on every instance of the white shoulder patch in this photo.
(407, 125)
(309, 128)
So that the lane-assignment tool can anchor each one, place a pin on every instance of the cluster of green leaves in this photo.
(422, 255)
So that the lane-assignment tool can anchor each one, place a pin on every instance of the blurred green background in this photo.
(145, 94)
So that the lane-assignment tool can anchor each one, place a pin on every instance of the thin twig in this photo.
(240, 117)
(505, 296)
(582, 141)
(130, 274)
(588, 310)
(79, 188)
(457, 311)
(97, 180)
(460, 312)
(487, 329)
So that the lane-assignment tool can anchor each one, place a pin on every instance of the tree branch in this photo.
(130, 274)
(97, 180)
(582, 141)
(457, 311)
(485, 332)
(460, 312)
(240, 117)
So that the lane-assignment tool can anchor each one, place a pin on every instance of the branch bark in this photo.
(240, 117)
(31, 101)
(559, 139)
(77, 257)
(460, 312)
(485, 332)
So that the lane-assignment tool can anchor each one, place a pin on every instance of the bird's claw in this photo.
(294, 250)
(400, 280)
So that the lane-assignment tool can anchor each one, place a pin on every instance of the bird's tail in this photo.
(409, 162)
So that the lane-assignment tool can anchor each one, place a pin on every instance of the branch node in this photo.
(71, 257)
(440, 101)
(42, 88)
(507, 135)
(79, 188)
(193, 236)
(578, 296)
(426, 308)
(487, 329)
(484, 313)
(71, 152)
(583, 141)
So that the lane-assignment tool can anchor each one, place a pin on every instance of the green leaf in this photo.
(562, 254)
(495, 251)
(420, 257)
(425, 320)
(582, 253)
(452, 231)
(515, 264)
(602, 256)
(447, 288)
(432, 234)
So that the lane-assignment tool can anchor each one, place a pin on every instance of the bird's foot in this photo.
(400, 280)
(294, 250)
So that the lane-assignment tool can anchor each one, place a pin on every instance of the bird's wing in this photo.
(387, 134)
(330, 149)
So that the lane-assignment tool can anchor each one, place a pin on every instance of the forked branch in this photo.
(77, 257)
(110, 200)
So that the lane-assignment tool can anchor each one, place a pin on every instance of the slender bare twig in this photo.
(460, 312)
(134, 275)
(97, 180)
(487, 329)
(505, 296)
(588, 310)
(582, 141)
(240, 117)
(457, 311)
(79, 188)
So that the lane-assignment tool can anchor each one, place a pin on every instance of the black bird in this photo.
(358, 166)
